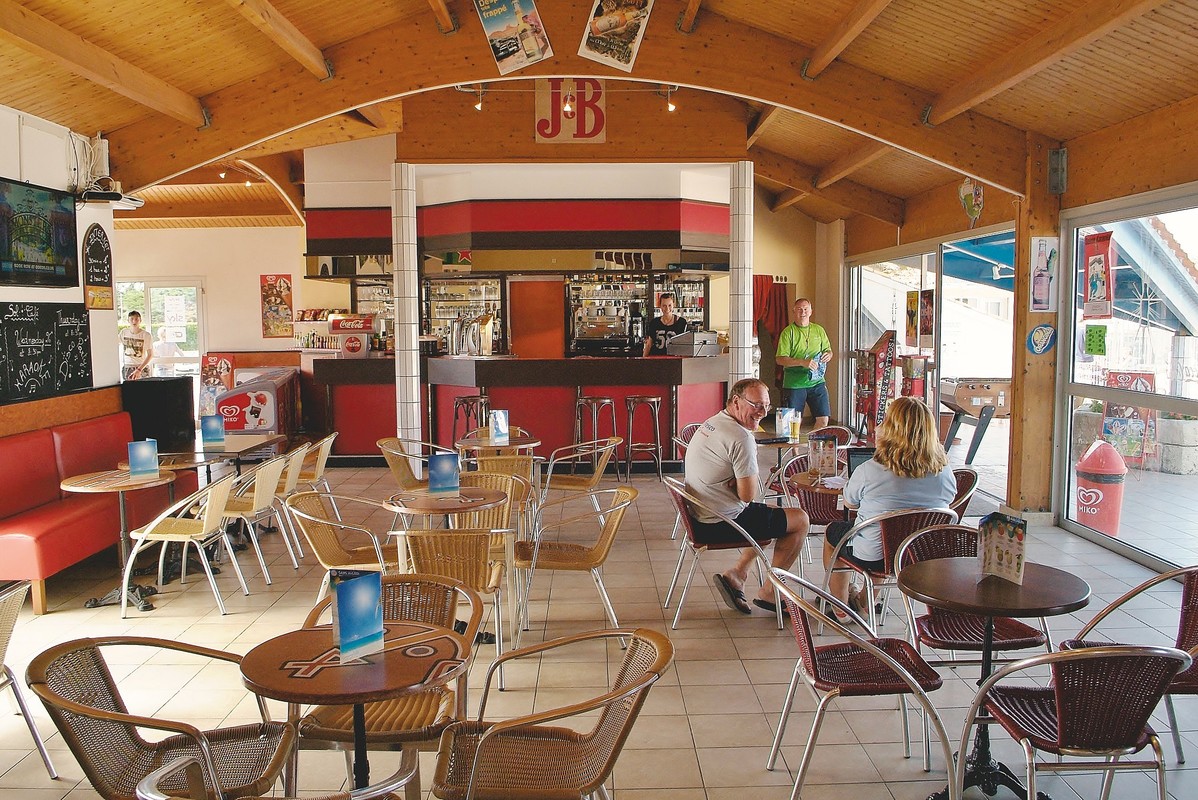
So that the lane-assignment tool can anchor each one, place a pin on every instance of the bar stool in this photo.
(631, 446)
(475, 409)
(594, 406)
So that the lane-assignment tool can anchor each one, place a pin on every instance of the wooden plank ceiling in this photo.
(821, 84)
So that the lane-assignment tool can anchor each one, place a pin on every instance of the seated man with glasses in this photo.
(721, 470)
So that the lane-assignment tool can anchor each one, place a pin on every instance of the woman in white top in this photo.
(909, 470)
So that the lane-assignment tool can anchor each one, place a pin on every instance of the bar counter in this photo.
(539, 394)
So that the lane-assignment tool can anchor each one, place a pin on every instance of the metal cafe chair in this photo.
(967, 484)
(681, 442)
(1097, 704)
(11, 600)
(194, 784)
(253, 499)
(336, 543)
(860, 666)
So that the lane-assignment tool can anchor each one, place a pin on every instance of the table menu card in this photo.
(1001, 543)
(499, 427)
(143, 459)
(212, 430)
(357, 612)
(443, 470)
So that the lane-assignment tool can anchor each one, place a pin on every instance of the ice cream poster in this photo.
(276, 307)
(1099, 260)
(614, 32)
(514, 32)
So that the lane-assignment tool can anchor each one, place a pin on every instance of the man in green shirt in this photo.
(804, 351)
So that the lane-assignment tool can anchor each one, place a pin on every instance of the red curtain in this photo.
(762, 284)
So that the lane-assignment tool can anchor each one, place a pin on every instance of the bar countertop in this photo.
(577, 371)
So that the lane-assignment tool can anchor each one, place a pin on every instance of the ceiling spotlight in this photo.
(568, 103)
(222, 174)
(669, 102)
(479, 105)
(247, 184)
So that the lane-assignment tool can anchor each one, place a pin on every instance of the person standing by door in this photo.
(664, 328)
(137, 348)
(804, 351)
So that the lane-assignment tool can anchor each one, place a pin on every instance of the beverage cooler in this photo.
(606, 313)
(262, 400)
(453, 306)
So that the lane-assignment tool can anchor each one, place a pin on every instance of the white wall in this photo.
(229, 261)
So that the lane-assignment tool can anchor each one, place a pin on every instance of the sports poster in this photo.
(614, 32)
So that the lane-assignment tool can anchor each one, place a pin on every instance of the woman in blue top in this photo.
(909, 470)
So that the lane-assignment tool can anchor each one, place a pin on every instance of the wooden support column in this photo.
(1029, 480)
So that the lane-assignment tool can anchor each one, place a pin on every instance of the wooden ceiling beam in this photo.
(1048, 46)
(38, 35)
(847, 29)
(342, 128)
(721, 55)
(848, 195)
(686, 20)
(386, 116)
(767, 117)
(232, 207)
(445, 21)
(280, 30)
(850, 163)
(279, 170)
(787, 198)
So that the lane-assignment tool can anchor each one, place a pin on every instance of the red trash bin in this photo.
(1100, 488)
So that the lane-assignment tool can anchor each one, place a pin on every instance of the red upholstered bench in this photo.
(44, 530)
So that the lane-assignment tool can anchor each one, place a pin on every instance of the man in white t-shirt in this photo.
(137, 348)
(721, 471)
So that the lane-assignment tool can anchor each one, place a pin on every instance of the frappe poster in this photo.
(514, 32)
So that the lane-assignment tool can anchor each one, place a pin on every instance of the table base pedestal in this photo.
(137, 598)
(982, 771)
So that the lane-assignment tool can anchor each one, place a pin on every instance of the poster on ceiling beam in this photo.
(514, 32)
(614, 32)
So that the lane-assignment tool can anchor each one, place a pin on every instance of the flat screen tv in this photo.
(37, 236)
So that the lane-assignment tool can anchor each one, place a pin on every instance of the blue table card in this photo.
(143, 459)
(499, 427)
(212, 430)
(443, 470)
(357, 612)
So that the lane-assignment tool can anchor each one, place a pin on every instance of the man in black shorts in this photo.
(721, 471)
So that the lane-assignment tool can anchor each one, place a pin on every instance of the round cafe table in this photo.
(956, 584)
(119, 481)
(305, 667)
(485, 445)
(422, 501)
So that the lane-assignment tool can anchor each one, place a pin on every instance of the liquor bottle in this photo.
(1041, 281)
(524, 34)
(616, 22)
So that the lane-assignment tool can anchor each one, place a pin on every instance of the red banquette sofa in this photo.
(44, 530)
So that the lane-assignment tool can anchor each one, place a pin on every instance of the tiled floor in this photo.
(704, 732)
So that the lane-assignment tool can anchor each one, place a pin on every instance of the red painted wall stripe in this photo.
(572, 215)
(348, 223)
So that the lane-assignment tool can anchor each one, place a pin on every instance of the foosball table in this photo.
(974, 401)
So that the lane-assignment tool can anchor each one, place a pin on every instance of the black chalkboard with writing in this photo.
(45, 350)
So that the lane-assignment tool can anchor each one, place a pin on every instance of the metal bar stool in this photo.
(631, 446)
(476, 410)
(594, 405)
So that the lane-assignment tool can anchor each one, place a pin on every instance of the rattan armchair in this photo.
(967, 484)
(11, 600)
(573, 556)
(152, 787)
(76, 685)
(681, 442)
(336, 543)
(316, 462)
(1097, 704)
(401, 453)
(942, 629)
(595, 453)
(252, 499)
(287, 486)
(408, 722)
(177, 525)
(860, 666)
(1186, 682)
(531, 756)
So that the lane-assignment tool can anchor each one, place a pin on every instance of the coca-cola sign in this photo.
(353, 344)
(338, 324)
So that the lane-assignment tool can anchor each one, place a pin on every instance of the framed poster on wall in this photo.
(276, 307)
(37, 236)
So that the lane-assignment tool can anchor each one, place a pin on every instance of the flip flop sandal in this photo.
(770, 607)
(733, 597)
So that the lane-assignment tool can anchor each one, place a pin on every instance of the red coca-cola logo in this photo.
(358, 324)
(353, 344)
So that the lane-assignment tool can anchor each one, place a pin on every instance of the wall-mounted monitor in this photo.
(37, 236)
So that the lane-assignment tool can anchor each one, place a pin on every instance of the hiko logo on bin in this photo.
(1088, 500)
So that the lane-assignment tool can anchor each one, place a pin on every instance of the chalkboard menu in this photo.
(45, 350)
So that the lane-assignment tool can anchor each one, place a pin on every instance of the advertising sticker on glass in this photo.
(1098, 261)
(515, 33)
(614, 32)
(37, 236)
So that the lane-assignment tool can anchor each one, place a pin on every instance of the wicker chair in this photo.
(1186, 683)
(175, 524)
(400, 453)
(408, 722)
(572, 556)
(152, 787)
(312, 473)
(1097, 704)
(896, 527)
(967, 484)
(313, 514)
(498, 520)
(952, 630)
(11, 600)
(683, 503)
(259, 505)
(597, 453)
(513, 450)
(76, 685)
(287, 486)
(844, 436)
(681, 442)
(529, 756)
(861, 666)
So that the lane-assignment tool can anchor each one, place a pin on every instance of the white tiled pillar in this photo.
(740, 268)
(406, 292)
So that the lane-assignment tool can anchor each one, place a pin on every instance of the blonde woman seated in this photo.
(909, 470)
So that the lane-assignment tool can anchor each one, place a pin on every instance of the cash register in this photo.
(694, 343)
